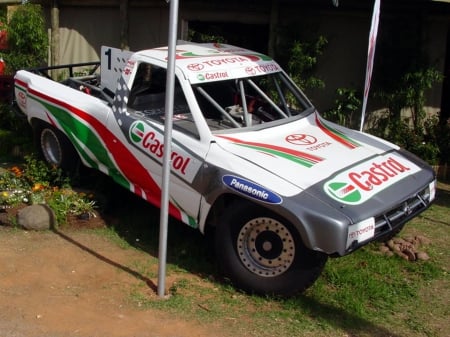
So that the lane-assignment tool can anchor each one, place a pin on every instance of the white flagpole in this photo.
(370, 57)
(170, 88)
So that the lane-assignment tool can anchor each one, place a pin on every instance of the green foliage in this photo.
(415, 133)
(400, 132)
(15, 132)
(204, 38)
(437, 136)
(36, 182)
(409, 94)
(346, 108)
(303, 58)
(38, 172)
(27, 38)
(28, 47)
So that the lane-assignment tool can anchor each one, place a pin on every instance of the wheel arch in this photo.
(260, 261)
(71, 157)
(226, 200)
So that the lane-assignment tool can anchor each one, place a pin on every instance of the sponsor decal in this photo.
(318, 146)
(217, 75)
(301, 139)
(362, 182)
(299, 157)
(361, 231)
(251, 189)
(127, 70)
(225, 61)
(151, 142)
(250, 71)
(195, 67)
(267, 68)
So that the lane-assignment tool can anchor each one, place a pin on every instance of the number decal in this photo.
(108, 53)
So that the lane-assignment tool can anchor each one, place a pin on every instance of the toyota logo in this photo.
(195, 66)
(301, 139)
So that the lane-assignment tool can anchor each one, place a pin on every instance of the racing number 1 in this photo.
(108, 53)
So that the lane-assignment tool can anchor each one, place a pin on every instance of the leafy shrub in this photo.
(346, 105)
(27, 38)
(302, 60)
(36, 183)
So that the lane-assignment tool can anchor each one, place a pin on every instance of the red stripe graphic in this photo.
(291, 152)
(333, 135)
(130, 167)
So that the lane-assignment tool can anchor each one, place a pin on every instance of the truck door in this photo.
(140, 116)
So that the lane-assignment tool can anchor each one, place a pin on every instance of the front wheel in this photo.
(262, 253)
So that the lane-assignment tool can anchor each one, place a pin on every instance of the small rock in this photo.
(390, 244)
(36, 217)
(399, 241)
(384, 249)
(402, 255)
(396, 248)
(411, 255)
(422, 256)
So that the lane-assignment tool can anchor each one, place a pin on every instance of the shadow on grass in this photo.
(442, 197)
(137, 222)
(342, 319)
(442, 200)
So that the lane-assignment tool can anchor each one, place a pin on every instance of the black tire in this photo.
(56, 149)
(261, 253)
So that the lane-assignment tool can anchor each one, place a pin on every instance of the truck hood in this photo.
(305, 151)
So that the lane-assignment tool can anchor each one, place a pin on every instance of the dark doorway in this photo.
(250, 36)
(445, 102)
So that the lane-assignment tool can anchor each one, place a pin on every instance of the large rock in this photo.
(36, 217)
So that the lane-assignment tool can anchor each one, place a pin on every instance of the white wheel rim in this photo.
(266, 247)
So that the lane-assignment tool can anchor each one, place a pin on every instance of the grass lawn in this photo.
(364, 294)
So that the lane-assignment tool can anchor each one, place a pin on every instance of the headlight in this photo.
(432, 190)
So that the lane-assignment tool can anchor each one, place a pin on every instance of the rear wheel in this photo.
(264, 254)
(56, 148)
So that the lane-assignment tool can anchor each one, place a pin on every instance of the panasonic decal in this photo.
(251, 189)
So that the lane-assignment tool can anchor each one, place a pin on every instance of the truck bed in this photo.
(82, 76)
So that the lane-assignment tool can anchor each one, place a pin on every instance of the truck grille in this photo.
(394, 219)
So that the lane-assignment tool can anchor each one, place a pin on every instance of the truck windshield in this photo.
(251, 101)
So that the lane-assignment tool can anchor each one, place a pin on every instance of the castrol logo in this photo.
(152, 143)
(362, 182)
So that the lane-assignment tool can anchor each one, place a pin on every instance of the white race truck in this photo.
(251, 159)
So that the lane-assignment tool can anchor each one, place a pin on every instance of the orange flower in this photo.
(17, 171)
(38, 187)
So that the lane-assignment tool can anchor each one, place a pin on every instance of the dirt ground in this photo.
(72, 283)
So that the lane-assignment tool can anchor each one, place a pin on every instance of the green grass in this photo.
(363, 294)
